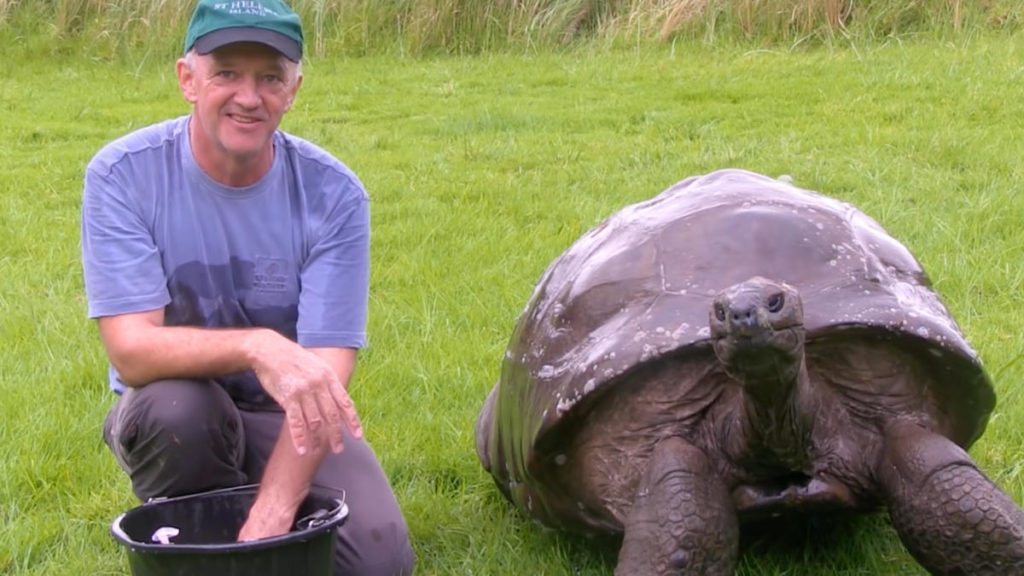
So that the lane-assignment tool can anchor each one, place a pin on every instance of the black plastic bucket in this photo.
(205, 528)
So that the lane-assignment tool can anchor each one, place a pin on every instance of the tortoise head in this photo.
(757, 332)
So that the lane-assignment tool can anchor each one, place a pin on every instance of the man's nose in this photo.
(248, 93)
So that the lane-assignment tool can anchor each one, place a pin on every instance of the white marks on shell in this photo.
(589, 386)
(922, 332)
(546, 372)
(648, 352)
(704, 332)
(640, 335)
(565, 404)
(680, 331)
(560, 460)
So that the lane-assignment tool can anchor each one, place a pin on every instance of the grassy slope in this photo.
(481, 171)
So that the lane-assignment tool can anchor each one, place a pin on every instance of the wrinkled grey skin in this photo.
(739, 348)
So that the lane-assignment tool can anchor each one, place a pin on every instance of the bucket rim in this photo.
(335, 516)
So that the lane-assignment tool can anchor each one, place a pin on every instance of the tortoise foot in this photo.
(951, 518)
(682, 522)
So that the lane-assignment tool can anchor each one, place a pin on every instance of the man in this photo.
(227, 265)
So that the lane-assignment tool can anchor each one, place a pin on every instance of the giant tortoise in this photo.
(738, 348)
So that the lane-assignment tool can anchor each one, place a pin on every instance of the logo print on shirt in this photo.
(270, 275)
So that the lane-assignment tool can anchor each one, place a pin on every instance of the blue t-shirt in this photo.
(290, 252)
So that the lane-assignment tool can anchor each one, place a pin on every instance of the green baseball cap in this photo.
(271, 22)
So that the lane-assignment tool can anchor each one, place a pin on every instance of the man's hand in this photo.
(312, 394)
(263, 524)
(285, 484)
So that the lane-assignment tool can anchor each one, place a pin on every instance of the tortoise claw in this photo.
(804, 495)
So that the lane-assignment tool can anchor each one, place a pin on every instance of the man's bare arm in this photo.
(306, 385)
(143, 350)
(287, 477)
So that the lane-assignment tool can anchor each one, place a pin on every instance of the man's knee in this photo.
(176, 437)
(188, 412)
(381, 549)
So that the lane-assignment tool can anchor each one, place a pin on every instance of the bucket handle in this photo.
(229, 489)
(310, 521)
(322, 516)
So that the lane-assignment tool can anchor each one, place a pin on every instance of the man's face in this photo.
(239, 93)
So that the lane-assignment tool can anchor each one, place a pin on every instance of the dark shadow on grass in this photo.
(810, 538)
(835, 543)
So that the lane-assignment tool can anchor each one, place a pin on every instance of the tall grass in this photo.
(106, 28)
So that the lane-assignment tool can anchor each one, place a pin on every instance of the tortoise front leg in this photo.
(951, 518)
(682, 522)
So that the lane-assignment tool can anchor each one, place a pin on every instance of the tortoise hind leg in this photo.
(682, 522)
(950, 517)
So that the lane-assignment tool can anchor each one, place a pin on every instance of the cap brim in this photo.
(283, 44)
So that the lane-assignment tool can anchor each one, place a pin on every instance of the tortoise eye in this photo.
(775, 302)
(720, 312)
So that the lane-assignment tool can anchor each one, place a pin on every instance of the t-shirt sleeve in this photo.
(120, 261)
(333, 297)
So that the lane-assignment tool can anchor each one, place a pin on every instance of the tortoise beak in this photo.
(746, 318)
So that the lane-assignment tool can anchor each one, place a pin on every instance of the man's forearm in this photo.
(285, 484)
(288, 474)
(147, 353)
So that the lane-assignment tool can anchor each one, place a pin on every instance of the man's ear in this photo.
(186, 80)
(294, 92)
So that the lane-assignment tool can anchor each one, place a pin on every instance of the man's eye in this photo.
(271, 79)
(226, 74)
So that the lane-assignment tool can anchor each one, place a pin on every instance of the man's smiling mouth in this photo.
(244, 119)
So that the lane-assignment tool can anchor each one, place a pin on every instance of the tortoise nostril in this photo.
(746, 317)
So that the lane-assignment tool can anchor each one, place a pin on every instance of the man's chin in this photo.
(245, 150)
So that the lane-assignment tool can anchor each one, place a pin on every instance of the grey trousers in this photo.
(177, 437)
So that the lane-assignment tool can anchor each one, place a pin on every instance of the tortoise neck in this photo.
(777, 418)
(773, 391)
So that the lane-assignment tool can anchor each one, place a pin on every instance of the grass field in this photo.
(483, 169)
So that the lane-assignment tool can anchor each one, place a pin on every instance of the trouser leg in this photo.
(374, 541)
(176, 437)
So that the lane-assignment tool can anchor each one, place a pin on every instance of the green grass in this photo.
(483, 169)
